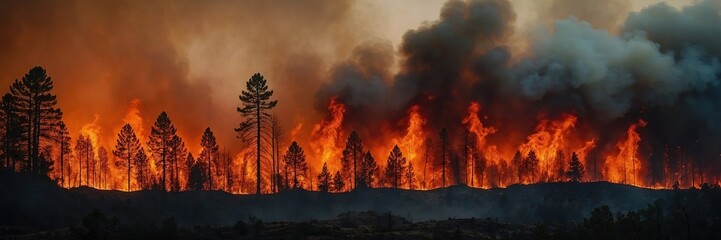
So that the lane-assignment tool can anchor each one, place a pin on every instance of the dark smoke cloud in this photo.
(435, 59)
(663, 66)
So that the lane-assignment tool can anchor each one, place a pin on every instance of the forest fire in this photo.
(471, 114)
(360, 119)
(327, 136)
(626, 166)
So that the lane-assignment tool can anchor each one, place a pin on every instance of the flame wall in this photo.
(552, 76)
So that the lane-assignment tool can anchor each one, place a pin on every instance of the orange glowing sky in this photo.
(192, 59)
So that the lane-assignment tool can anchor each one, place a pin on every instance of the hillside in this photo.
(34, 202)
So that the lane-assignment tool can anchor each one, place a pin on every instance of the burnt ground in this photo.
(32, 208)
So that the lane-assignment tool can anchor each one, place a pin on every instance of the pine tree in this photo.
(81, 154)
(104, 166)
(368, 169)
(197, 175)
(89, 161)
(295, 159)
(39, 118)
(519, 164)
(126, 147)
(177, 152)
(352, 157)
(142, 170)
(394, 167)
(575, 169)
(63, 139)
(531, 165)
(12, 132)
(209, 154)
(256, 101)
(276, 131)
(428, 142)
(324, 179)
(161, 134)
(410, 176)
(338, 183)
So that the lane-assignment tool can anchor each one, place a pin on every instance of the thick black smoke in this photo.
(663, 66)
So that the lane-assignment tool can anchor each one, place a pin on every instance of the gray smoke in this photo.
(663, 66)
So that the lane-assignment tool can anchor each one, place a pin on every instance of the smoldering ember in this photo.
(438, 119)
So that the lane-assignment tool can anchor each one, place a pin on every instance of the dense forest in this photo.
(36, 140)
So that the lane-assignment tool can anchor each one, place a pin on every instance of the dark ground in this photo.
(32, 208)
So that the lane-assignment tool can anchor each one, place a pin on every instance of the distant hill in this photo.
(26, 200)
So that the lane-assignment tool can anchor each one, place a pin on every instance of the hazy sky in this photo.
(192, 59)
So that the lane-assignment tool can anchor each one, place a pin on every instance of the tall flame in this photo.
(547, 141)
(411, 144)
(327, 136)
(474, 124)
(92, 131)
(624, 167)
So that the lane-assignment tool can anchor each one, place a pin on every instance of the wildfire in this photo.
(327, 136)
(412, 142)
(133, 118)
(92, 130)
(474, 124)
(296, 130)
(625, 166)
(549, 139)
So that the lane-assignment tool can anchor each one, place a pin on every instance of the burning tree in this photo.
(444, 155)
(338, 183)
(518, 165)
(395, 167)
(161, 135)
(104, 166)
(410, 176)
(126, 147)
(324, 179)
(530, 165)
(142, 171)
(177, 152)
(575, 169)
(352, 156)
(368, 169)
(209, 154)
(295, 160)
(197, 175)
(63, 138)
(255, 100)
(84, 151)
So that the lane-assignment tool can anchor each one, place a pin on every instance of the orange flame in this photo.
(549, 139)
(474, 124)
(411, 143)
(327, 136)
(625, 167)
(92, 130)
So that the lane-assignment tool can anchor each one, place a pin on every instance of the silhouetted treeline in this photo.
(34, 139)
(32, 124)
(691, 215)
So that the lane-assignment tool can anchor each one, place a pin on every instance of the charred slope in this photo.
(29, 201)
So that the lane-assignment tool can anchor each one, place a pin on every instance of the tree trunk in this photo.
(62, 153)
(128, 167)
(257, 142)
(163, 159)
